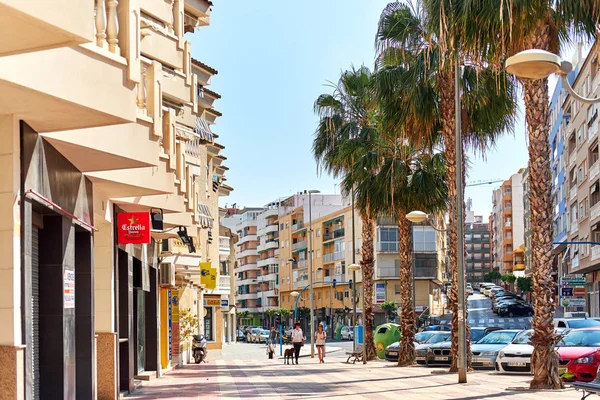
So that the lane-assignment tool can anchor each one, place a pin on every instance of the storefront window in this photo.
(208, 324)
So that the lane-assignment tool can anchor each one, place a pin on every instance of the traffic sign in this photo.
(572, 301)
(572, 281)
(567, 292)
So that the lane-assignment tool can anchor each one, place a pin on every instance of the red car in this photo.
(579, 354)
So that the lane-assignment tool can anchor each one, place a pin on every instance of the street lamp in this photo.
(354, 268)
(310, 273)
(419, 217)
(538, 64)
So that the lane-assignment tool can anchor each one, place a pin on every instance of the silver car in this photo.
(485, 351)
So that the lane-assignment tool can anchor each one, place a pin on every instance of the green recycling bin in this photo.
(338, 332)
(385, 335)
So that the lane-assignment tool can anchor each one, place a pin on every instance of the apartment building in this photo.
(478, 243)
(527, 253)
(507, 228)
(109, 197)
(268, 257)
(580, 124)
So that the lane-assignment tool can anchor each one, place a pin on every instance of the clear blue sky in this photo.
(274, 58)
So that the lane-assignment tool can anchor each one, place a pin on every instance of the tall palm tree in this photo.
(492, 31)
(346, 126)
(415, 82)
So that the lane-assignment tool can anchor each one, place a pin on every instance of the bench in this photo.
(356, 355)
(588, 388)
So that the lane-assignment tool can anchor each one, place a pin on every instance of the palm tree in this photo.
(415, 83)
(415, 178)
(347, 122)
(491, 31)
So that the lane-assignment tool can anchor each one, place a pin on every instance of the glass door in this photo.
(140, 332)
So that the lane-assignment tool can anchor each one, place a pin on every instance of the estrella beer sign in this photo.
(133, 227)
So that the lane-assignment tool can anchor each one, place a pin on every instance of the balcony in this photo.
(299, 245)
(575, 262)
(272, 277)
(573, 193)
(247, 238)
(426, 272)
(297, 226)
(519, 267)
(595, 211)
(572, 160)
(270, 293)
(387, 247)
(248, 252)
(302, 264)
(595, 253)
(225, 282)
(507, 224)
(247, 267)
(338, 233)
(594, 171)
(335, 256)
(267, 261)
(388, 272)
(224, 245)
(271, 228)
(338, 278)
(301, 284)
(33, 25)
(246, 296)
(157, 43)
(574, 227)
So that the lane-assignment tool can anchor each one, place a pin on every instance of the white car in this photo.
(469, 289)
(516, 357)
(347, 333)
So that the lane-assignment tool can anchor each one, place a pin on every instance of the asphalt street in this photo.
(480, 314)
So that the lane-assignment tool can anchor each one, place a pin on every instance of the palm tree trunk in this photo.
(544, 360)
(367, 263)
(407, 354)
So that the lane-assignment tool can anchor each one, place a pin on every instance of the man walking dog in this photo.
(297, 340)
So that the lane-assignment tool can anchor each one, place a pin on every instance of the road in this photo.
(480, 314)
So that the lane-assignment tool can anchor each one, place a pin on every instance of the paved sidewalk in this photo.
(270, 379)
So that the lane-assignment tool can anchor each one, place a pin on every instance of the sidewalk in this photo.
(262, 379)
(305, 350)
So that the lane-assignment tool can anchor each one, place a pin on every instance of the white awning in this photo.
(206, 220)
(203, 130)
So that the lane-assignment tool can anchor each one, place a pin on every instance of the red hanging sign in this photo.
(133, 227)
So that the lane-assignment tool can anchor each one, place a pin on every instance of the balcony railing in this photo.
(225, 282)
(330, 278)
(299, 245)
(595, 253)
(387, 247)
(298, 225)
(334, 235)
(426, 272)
(595, 211)
(338, 255)
(302, 264)
(388, 272)
(573, 192)
(594, 171)
(574, 227)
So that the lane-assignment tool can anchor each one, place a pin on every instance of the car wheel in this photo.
(529, 313)
(511, 314)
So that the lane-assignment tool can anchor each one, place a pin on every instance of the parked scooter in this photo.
(199, 348)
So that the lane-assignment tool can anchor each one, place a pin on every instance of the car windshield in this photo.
(422, 337)
(264, 332)
(498, 337)
(584, 338)
(583, 323)
(524, 338)
(437, 338)
(476, 335)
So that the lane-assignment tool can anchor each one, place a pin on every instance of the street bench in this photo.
(588, 388)
(356, 355)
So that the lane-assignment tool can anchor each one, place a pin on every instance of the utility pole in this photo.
(353, 274)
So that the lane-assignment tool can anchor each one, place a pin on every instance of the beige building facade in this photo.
(104, 111)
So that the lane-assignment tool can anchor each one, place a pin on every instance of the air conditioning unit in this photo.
(165, 246)
(167, 275)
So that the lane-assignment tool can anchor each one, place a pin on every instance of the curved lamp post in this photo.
(354, 268)
(419, 217)
(538, 64)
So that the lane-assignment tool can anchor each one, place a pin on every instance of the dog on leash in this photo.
(288, 355)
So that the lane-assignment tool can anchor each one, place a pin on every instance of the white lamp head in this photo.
(294, 294)
(417, 216)
(536, 64)
(354, 267)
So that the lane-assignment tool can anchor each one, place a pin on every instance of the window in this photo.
(319, 253)
(396, 289)
(339, 296)
(281, 226)
(346, 294)
(319, 296)
(326, 295)
(318, 232)
(287, 225)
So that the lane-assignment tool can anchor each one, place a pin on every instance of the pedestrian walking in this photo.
(273, 335)
(320, 337)
(270, 349)
(297, 340)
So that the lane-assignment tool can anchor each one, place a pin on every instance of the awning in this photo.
(203, 130)
(206, 220)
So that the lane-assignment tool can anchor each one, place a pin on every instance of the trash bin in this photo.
(338, 332)
(385, 335)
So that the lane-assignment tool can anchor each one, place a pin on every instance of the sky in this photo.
(274, 58)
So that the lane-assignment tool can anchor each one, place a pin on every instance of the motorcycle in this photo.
(199, 348)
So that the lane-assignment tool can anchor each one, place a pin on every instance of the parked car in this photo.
(437, 328)
(347, 333)
(391, 351)
(421, 337)
(469, 289)
(515, 309)
(240, 336)
(252, 335)
(496, 291)
(516, 357)
(575, 323)
(487, 348)
(503, 302)
(486, 291)
(439, 354)
(263, 336)
(579, 354)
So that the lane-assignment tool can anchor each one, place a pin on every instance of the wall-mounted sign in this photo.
(208, 275)
(133, 228)
(212, 302)
(379, 293)
(225, 304)
(69, 288)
